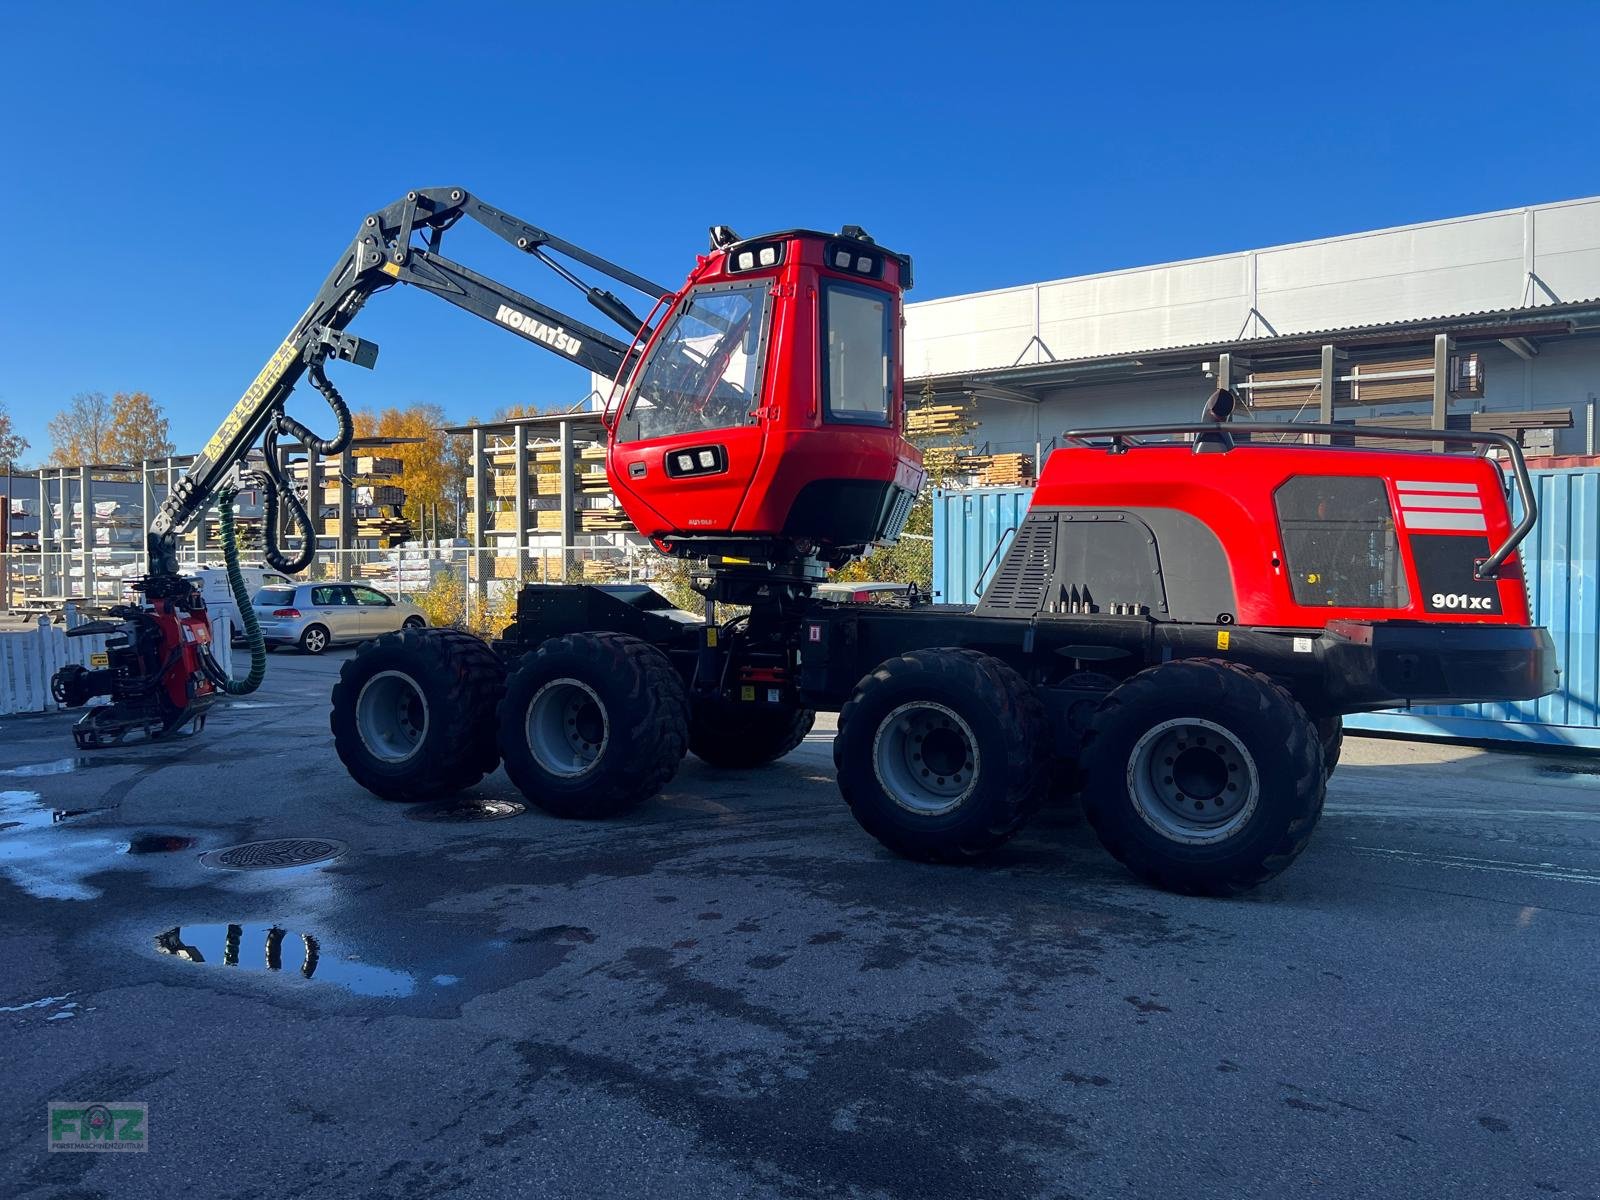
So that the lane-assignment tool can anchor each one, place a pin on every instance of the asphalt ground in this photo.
(734, 992)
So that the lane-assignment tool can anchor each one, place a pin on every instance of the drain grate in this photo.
(474, 810)
(269, 855)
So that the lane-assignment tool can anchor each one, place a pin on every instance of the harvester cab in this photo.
(763, 420)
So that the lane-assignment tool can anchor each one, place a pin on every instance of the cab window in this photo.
(1339, 542)
(705, 369)
(856, 368)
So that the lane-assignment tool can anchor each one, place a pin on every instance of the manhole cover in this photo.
(279, 852)
(474, 810)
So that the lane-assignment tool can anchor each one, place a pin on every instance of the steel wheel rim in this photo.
(392, 716)
(926, 758)
(567, 728)
(1193, 781)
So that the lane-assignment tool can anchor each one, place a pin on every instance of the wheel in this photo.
(592, 724)
(1202, 777)
(941, 754)
(745, 735)
(414, 623)
(314, 639)
(1330, 732)
(413, 713)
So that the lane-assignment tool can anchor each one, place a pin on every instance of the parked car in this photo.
(213, 585)
(315, 616)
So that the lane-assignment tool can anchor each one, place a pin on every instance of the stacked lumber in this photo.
(938, 420)
(1516, 422)
(1007, 470)
(1302, 388)
(604, 520)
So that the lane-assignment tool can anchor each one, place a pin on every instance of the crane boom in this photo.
(383, 253)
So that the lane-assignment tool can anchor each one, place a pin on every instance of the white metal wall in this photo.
(1522, 257)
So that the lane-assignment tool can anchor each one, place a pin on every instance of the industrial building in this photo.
(1489, 321)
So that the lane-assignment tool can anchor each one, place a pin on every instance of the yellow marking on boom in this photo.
(250, 403)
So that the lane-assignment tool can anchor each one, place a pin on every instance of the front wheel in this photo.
(414, 623)
(413, 713)
(593, 724)
(1203, 777)
(314, 640)
(941, 754)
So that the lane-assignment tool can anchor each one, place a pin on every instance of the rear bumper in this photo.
(1385, 665)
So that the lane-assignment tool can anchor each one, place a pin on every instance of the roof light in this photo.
(769, 256)
(746, 261)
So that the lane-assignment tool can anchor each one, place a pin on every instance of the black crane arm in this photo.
(381, 254)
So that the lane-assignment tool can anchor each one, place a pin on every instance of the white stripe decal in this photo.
(1444, 520)
(1426, 485)
(1410, 500)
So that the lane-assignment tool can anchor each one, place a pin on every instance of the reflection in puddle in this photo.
(255, 947)
(465, 810)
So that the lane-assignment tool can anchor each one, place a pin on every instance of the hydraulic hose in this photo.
(280, 485)
(247, 612)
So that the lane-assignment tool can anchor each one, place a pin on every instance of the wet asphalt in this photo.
(735, 993)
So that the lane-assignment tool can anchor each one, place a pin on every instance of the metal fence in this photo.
(454, 584)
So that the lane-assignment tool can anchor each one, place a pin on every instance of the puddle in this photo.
(38, 858)
(278, 951)
(155, 843)
(465, 810)
(58, 766)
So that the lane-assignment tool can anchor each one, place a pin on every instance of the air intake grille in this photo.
(899, 513)
(1024, 576)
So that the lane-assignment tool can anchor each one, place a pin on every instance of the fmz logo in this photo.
(1462, 600)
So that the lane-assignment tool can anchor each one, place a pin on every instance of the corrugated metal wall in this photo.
(1561, 562)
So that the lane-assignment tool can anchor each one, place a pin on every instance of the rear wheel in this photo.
(1203, 777)
(413, 713)
(592, 724)
(744, 735)
(940, 754)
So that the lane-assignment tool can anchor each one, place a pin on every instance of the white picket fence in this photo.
(30, 658)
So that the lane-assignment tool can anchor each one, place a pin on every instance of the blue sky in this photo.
(179, 178)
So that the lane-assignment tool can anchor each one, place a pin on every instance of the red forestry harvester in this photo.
(1173, 633)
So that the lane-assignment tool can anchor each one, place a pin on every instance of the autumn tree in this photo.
(81, 431)
(138, 429)
(12, 444)
(129, 427)
(427, 459)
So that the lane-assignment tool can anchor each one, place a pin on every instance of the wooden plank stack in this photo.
(938, 420)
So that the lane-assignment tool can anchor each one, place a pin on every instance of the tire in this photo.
(414, 713)
(744, 735)
(593, 724)
(990, 727)
(1330, 732)
(413, 623)
(314, 639)
(1246, 753)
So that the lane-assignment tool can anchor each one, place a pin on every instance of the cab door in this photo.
(693, 421)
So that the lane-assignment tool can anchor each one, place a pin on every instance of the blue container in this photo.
(1559, 563)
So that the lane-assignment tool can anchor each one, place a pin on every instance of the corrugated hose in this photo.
(247, 612)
